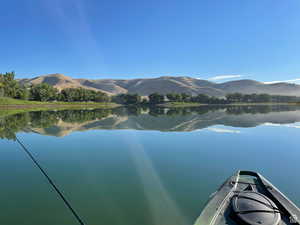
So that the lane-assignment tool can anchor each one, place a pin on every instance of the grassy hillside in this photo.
(164, 85)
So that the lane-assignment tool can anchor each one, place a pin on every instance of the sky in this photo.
(218, 40)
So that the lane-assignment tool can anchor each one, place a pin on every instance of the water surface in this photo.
(138, 165)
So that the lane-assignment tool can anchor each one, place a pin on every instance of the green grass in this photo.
(24, 104)
(11, 101)
(9, 106)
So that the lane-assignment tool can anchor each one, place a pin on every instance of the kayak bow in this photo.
(247, 198)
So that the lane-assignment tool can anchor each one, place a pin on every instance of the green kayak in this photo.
(247, 198)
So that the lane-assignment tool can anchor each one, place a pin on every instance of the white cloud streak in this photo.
(224, 77)
(296, 80)
(72, 19)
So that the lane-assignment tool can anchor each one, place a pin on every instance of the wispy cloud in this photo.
(72, 19)
(224, 77)
(296, 80)
(222, 130)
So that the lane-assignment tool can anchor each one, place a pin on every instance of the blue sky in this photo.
(234, 39)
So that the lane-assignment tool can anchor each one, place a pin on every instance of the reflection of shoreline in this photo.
(190, 104)
(64, 122)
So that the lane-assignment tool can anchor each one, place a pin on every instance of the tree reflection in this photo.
(156, 118)
(12, 124)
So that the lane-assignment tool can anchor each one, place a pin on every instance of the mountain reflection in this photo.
(64, 122)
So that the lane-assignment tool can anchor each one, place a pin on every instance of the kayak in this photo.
(247, 198)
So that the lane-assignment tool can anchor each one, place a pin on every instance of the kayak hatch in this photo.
(247, 198)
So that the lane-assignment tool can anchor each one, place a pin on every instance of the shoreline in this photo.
(9, 109)
(16, 104)
(54, 106)
(8, 103)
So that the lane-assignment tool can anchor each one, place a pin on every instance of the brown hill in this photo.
(165, 85)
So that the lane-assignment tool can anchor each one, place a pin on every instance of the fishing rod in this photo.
(80, 221)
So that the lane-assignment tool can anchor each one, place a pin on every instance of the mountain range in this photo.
(166, 84)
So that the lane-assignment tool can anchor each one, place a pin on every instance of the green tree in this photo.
(43, 92)
(1, 89)
(22, 93)
(156, 98)
(201, 98)
(174, 97)
(127, 99)
(100, 97)
(185, 97)
(82, 95)
(264, 98)
(8, 84)
(144, 101)
(235, 97)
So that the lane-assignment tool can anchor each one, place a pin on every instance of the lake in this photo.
(133, 166)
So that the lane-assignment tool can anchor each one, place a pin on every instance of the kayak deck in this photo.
(248, 198)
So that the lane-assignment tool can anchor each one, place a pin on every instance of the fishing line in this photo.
(51, 182)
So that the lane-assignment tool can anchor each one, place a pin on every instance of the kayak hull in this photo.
(247, 198)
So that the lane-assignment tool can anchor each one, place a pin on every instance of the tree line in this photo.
(156, 98)
(9, 87)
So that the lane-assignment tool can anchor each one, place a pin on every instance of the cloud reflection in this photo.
(282, 125)
(223, 130)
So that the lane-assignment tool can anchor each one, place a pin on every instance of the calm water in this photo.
(140, 166)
